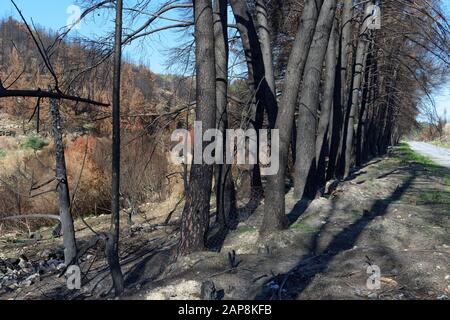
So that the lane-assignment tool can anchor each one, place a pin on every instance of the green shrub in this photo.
(88, 126)
(35, 142)
(2, 153)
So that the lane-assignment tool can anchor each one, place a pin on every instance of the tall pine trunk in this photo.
(305, 176)
(68, 231)
(195, 217)
(224, 185)
(259, 85)
(275, 212)
(355, 93)
(266, 48)
(323, 131)
(340, 109)
(112, 241)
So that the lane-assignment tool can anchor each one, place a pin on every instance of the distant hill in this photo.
(21, 66)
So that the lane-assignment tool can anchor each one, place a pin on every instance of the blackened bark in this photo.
(256, 65)
(363, 113)
(274, 214)
(266, 48)
(342, 92)
(224, 185)
(70, 248)
(346, 49)
(322, 142)
(112, 242)
(263, 97)
(305, 177)
(355, 94)
(195, 217)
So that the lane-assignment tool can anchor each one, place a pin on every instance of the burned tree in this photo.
(112, 241)
(274, 215)
(195, 217)
(305, 176)
(62, 188)
(224, 185)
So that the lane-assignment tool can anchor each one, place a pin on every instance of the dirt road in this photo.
(438, 154)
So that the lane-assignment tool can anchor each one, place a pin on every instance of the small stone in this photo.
(45, 254)
(443, 297)
(372, 295)
(23, 262)
(272, 285)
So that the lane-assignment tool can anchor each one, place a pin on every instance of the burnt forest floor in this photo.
(393, 213)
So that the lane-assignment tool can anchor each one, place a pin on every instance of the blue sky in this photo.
(54, 14)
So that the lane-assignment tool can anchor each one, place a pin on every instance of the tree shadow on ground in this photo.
(314, 263)
(298, 210)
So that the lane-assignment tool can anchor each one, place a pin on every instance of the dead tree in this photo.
(342, 79)
(356, 90)
(112, 241)
(305, 176)
(263, 97)
(68, 230)
(224, 185)
(325, 121)
(195, 217)
(274, 214)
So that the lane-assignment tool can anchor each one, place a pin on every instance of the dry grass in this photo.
(144, 176)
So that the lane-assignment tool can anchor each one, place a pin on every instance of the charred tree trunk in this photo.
(266, 48)
(341, 98)
(274, 214)
(195, 217)
(224, 185)
(112, 242)
(255, 49)
(70, 247)
(355, 94)
(323, 131)
(305, 177)
(260, 86)
(363, 114)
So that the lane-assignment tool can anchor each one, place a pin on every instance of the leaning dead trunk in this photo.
(70, 248)
(195, 217)
(274, 214)
(112, 241)
(224, 185)
(263, 97)
(266, 48)
(305, 177)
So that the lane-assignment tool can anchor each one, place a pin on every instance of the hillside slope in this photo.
(392, 213)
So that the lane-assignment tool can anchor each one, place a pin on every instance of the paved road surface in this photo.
(438, 154)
